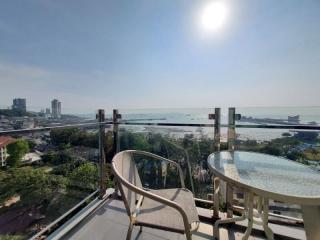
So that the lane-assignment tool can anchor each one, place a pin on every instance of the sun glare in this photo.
(214, 16)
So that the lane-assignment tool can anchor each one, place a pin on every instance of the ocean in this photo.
(200, 115)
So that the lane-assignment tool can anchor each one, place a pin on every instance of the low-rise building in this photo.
(31, 157)
(4, 141)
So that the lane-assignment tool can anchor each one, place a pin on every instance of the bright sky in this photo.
(151, 53)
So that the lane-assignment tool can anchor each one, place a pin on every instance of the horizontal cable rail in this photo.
(167, 124)
(294, 127)
(45, 129)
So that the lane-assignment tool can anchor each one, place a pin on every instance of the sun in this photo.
(214, 16)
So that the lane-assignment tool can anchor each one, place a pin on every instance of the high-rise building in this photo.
(56, 108)
(19, 104)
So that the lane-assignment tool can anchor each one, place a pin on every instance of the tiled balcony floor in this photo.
(110, 222)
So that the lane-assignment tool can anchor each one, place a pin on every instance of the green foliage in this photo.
(188, 149)
(65, 138)
(34, 186)
(136, 141)
(57, 158)
(16, 150)
(278, 147)
(286, 134)
(85, 176)
(271, 149)
(306, 136)
(223, 146)
(62, 137)
(31, 144)
(48, 157)
(303, 161)
(11, 237)
(66, 168)
(294, 155)
(3, 175)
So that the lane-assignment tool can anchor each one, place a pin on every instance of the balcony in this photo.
(84, 211)
(109, 219)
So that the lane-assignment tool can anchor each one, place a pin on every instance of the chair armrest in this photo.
(162, 159)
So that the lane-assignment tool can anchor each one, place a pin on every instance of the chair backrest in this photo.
(125, 169)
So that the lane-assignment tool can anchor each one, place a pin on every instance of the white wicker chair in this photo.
(167, 209)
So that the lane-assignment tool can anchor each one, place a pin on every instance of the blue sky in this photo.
(154, 54)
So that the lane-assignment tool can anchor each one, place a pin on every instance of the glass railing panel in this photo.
(43, 175)
(170, 115)
(188, 146)
(296, 145)
(280, 115)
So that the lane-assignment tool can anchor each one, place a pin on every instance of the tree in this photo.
(294, 155)
(286, 134)
(32, 144)
(85, 176)
(306, 136)
(16, 151)
(66, 168)
(271, 149)
(138, 141)
(34, 186)
(65, 138)
(57, 158)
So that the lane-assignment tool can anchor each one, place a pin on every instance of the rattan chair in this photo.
(167, 209)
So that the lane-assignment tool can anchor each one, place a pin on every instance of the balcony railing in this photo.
(189, 146)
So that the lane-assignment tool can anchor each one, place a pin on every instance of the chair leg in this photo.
(188, 235)
(129, 231)
(140, 229)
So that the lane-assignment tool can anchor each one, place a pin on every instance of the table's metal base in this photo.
(311, 219)
(262, 212)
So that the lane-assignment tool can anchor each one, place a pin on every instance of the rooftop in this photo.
(5, 140)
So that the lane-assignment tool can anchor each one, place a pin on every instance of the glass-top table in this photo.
(270, 177)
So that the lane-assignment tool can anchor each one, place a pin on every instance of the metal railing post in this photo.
(116, 116)
(232, 117)
(215, 181)
(217, 122)
(231, 128)
(102, 156)
(231, 147)
(116, 146)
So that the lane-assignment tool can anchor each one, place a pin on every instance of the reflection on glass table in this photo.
(268, 177)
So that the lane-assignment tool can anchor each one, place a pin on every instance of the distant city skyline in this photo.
(154, 54)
